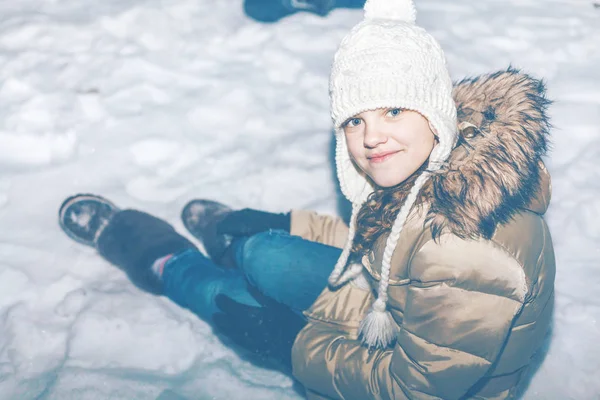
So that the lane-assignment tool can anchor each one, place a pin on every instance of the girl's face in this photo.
(389, 144)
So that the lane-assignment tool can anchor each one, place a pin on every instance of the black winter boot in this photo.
(131, 240)
(201, 218)
(269, 11)
(83, 216)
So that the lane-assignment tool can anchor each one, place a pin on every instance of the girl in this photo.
(444, 286)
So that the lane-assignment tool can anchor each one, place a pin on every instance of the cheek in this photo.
(355, 147)
(424, 144)
(427, 145)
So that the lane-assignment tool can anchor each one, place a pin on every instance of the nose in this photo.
(374, 136)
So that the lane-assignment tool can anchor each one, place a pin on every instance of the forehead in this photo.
(381, 111)
(367, 113)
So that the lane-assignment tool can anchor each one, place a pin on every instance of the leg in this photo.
(286, 268)
(193, 281)
(133, 240)
(129, 239)
(290, 272)
(137, 242)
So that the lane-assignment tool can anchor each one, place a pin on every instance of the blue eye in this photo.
(394, 112)
(352, 122)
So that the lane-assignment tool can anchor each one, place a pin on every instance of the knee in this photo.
(262, 253)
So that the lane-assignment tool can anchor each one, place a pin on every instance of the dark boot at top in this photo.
(201, 217)
(83, 217)
(269, 11)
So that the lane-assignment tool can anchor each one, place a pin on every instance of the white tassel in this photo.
(378, 329)
(398, 10)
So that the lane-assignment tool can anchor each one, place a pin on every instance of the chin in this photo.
(387, 182)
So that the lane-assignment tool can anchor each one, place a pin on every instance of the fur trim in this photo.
(495, 168)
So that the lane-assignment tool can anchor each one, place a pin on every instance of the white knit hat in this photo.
(386, 61)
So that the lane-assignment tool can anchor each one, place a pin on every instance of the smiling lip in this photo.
(381, 157)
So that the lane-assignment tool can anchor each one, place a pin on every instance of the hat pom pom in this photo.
(378, 329)
(398, 10)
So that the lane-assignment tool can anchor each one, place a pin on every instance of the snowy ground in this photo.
(152, 103)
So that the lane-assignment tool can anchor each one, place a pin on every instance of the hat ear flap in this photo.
(353, 182)
(435, 132)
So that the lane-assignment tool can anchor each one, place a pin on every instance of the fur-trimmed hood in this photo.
(496, 168)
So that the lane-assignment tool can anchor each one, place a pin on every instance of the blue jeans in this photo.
(285, 268)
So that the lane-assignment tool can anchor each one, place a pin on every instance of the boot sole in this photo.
(72, 200)
(186, 212)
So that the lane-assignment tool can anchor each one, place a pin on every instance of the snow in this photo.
(152, 103)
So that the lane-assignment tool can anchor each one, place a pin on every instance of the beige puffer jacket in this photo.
(471, 308)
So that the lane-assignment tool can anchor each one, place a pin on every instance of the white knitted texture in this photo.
(378, 328)
(382, 64)
(353, 183)
(400, 10)
(338, 277)
(386, 62)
